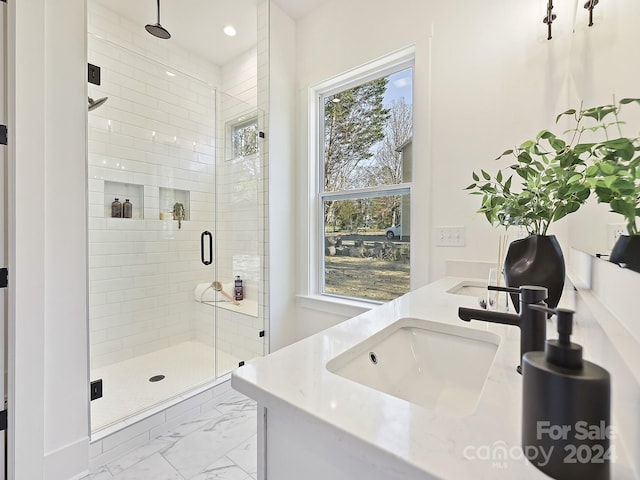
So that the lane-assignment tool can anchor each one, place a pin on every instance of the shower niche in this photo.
(124, 191)
(169, 199)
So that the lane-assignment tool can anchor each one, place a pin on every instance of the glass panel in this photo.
(367, 247)
(237, 223)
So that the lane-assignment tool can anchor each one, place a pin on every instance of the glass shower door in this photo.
(239, 238)
(152, 191)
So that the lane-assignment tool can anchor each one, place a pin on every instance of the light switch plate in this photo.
(449, 236)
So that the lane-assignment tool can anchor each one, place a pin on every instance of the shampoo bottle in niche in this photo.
(238, 288)
(127, 209)
(566, 409)
(116, 208)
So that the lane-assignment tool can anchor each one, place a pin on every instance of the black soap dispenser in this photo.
(566, 409)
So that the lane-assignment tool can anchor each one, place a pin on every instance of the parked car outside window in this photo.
(394, 231)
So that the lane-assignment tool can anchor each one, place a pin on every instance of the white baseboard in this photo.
(64, 463)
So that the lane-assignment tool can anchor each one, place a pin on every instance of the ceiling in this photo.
(197, 24)
(298, 8)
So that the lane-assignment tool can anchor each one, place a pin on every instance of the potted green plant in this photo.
(614, 176)
(549, 173)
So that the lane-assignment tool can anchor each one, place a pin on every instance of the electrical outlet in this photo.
(449, 236)
(614, 230)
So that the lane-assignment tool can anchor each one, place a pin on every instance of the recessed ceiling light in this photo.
(229, 30)
(171, 74)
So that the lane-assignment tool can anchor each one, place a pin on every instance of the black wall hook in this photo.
(590, 5)
(550, 17)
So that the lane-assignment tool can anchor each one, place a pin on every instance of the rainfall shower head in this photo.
(156, 29)
(93, 104)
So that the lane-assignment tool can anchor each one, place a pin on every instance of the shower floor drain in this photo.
(156, 378)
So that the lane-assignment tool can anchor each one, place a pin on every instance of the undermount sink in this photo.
(470, 288)
(435, 365)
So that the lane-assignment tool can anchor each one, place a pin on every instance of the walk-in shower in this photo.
(169, 142)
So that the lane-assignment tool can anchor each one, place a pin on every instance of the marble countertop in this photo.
(441, 445)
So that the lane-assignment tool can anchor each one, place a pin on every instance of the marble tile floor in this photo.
(221, 444)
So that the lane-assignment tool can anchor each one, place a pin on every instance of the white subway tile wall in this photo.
(161, 139)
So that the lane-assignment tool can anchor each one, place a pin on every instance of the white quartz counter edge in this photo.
(440, 445)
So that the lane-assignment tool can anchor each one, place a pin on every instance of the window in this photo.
(242, 136)
(365, 129)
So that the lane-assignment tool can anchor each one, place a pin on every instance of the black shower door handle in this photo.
(205, 261)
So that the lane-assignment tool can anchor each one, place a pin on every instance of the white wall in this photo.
(282, 180)
(486, 79)
(48, 369)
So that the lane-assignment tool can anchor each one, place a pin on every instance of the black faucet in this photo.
(532, 322)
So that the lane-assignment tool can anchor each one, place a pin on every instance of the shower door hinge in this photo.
(3, 420)
(96, 389)
(94, 74)
(4, 277)
(261, 334)
(3, 135)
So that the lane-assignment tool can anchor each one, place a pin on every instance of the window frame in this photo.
(232, 126)
(379, 68)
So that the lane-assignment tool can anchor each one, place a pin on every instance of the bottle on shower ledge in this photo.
(238, 290)
(116, 208)
(127, 209)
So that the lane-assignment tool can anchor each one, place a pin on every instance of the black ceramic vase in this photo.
(536, 260)
(626, 252)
